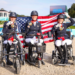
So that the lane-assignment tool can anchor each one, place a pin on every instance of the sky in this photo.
(26, 6)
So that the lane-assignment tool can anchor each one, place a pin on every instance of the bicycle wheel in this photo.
(39, 64)
(18, 66)
(1, 53)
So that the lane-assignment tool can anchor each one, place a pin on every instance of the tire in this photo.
(23, 62)
(66, 47)
(1, 54)
(18, 66)
(71, 51)
(39, 64)
(73, 60)
(53, 54)
(54, 60)
(3, 64)
(23, 57)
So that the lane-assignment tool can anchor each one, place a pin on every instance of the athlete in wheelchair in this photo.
(33, 33)
(10, 40)
(63, 43)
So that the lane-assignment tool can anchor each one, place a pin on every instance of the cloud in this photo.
(3, 2)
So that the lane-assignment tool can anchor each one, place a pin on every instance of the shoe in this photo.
(9, 62)
(43, 62)
(62, 61)
(66, 61)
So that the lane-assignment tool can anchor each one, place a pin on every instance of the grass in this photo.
(71, 27)
(2, 22)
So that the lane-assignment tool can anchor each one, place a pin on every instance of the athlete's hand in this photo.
(67, 15)
(58, 25)
(28, 26)
(9, 23)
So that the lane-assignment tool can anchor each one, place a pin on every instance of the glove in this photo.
(58, 25)
(67, 15)
(9, 23)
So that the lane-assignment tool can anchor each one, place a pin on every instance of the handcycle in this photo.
(17, 52)
(69, 50)
(37, 52)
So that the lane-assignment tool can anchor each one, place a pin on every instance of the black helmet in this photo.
(61, 16)
(34, 13)
(13, 14)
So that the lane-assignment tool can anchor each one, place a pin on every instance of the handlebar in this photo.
(13, 33)
(34, 35)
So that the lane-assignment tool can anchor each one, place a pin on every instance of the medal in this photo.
(12, 26)
(30, 24)
(61, 28)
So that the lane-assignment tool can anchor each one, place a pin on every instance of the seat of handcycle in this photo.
(33, 45)
(39, 49)
(28, 44)
(68, 46)
(71, 37)
(12, 45)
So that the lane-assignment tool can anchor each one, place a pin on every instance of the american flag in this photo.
(47, 22)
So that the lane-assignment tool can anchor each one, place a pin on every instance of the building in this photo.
(4, 15)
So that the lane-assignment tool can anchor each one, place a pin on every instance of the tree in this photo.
(2, 8)
(20, 15)
(48, 15)
(72, 11)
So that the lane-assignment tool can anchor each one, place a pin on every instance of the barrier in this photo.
(72, 31)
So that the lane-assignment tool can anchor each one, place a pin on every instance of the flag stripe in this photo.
(47, 22)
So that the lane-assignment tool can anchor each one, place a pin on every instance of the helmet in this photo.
(13, 14)
(34, 13)
(61, 16)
